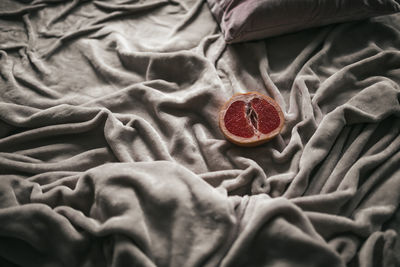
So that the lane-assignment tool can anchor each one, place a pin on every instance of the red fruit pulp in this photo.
(236, 122)
(268, 117)
(244, 119)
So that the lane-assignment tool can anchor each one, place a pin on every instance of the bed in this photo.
(111, 153)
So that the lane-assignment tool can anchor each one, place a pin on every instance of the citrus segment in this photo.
(268, 117)
(235, 120)
(250, 119)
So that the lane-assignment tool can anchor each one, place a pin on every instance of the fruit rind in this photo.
(256, 139)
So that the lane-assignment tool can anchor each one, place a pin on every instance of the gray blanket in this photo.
(111, 154)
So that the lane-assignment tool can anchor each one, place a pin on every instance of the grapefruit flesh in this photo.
(268, 117)
(251, 119)
(236, 121)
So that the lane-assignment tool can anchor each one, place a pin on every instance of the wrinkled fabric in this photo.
(111, 153)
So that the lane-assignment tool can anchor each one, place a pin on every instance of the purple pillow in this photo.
(244, 20)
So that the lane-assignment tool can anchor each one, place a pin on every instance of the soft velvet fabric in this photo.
(244, 20)
(111, 154)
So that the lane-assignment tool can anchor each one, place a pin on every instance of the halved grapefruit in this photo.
(250, 119)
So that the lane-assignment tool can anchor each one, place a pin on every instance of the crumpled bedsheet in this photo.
(111, 154)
